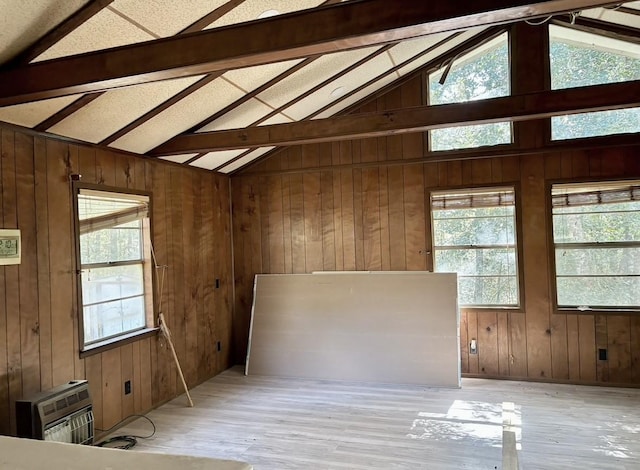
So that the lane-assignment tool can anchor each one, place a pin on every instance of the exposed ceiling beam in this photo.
(509, 108)
(295, 35)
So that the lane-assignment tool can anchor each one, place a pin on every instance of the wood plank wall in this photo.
(38, 320)
(377, 218)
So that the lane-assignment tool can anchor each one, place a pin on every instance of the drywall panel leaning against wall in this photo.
(387, 327)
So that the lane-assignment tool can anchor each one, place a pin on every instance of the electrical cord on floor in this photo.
(124, 442)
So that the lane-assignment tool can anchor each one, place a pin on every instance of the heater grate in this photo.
(76, 429)
(62, 414)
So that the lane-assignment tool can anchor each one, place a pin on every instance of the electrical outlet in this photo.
(602, 354)
(127, 387)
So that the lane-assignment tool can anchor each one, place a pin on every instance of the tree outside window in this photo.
(480, 74)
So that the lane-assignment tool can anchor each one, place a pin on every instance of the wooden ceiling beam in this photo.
(509, 108)
(327, 29)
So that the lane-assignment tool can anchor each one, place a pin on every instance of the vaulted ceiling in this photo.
(171, 69)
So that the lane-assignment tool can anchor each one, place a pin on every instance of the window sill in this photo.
(596, 311)
(113, 343)
(492, 308)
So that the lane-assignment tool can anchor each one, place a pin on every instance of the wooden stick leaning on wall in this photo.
(164, 329)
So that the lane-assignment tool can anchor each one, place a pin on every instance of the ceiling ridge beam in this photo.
(417, 119)
(345, 26)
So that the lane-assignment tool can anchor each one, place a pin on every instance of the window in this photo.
(114, 248)
(581, 59)
(480, 74)
(596, 235)
(474, 235)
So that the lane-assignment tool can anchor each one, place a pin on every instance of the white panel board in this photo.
(388, 327)
(30, 454)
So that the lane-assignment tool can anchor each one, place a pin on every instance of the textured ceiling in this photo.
(138, 118)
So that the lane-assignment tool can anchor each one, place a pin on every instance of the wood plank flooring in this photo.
(310, 424)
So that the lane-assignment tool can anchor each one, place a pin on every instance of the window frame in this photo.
(550, 140)
(520, 308)
(148, 274)
(553, 288)
(451, 56)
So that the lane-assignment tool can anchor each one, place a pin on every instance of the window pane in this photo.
(474, 136)
(113, 318)
(121, 243)
(575, 126)
(113, 282)
(486, 276)
(478, 262)
(481, 74)
(598, 261)
(578, 59)
(599, 292)
(488, 291)
(597, 223)
(487, 226)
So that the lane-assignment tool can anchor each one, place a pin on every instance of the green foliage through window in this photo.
(474, 236)
(480, 74)
(582, 59)
(596, 231)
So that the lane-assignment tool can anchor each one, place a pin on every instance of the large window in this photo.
(479, 74)
(115, 288)
(596, 233)
(474, 235)
(581, 59)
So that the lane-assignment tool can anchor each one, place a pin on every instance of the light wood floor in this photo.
(311, 424)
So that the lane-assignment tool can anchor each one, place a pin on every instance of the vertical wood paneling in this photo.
(372, 238)
(488, 343)
(11, 276)
(397, 257)
(414, 215)
(44, 275)
(5, 420)
(619, 348)
(112, 395)
(39, 343)
(537, 304)
(573, 347)
(60, 264)
(327, 222)
(472, 333)
(464, 343)
(297, 224)
(28, 269)
(588, 352)
(276, 225)
(381, 220)
(312, 210)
